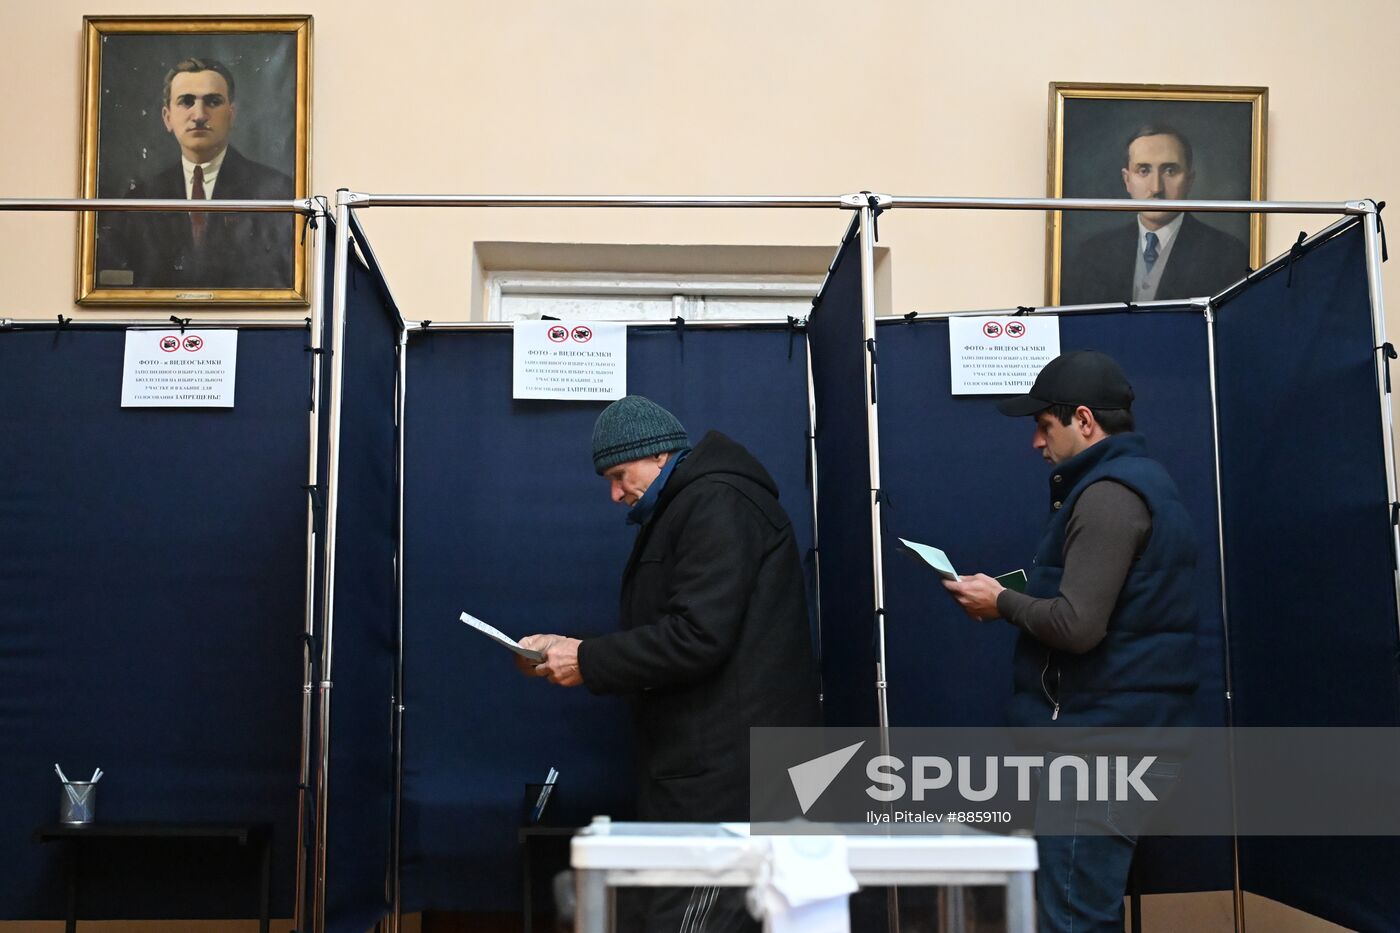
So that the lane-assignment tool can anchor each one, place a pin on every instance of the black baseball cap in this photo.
(1080, 377)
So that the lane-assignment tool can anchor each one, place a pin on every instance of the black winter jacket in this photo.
(715, 636)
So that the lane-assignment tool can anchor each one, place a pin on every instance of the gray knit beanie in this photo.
(632, 428)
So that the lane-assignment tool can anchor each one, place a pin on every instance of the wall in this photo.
(790, 97)
(727, 97)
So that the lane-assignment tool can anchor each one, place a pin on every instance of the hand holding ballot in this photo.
(551, 656)
(560, 664)
(977, 595)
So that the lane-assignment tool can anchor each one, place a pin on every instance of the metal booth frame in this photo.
(868, 206)
(318, 683)
(313, 208)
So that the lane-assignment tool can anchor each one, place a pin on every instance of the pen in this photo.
(549, 780)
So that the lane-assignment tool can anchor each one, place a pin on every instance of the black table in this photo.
(245, 834)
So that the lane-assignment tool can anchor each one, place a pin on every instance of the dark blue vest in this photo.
(1143, 673)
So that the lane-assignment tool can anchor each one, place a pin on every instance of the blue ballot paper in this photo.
(933, 557)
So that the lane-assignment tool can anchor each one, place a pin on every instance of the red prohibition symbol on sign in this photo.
(582, 334)
(558, 334)
(170, 343)
(194, 343)
(1015, 329)
(992, 329)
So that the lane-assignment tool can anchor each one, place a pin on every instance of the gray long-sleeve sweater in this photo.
(1107, 531)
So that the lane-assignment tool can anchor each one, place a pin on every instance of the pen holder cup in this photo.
(78, 802)
(538, 805)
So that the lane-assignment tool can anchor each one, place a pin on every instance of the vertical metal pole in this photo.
(1238, 896)
(816, 531)
(1020, 902)
(317, 291)
(396, 831)
(1371, 221)
(952, 909)
(867, 308)
(337, 373)
(591, 901)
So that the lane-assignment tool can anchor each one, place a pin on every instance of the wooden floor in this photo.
(1163, 913)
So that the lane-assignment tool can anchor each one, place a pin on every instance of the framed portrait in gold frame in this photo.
(195, 107)
(1151, 141)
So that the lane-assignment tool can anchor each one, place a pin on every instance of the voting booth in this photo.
(252, 614)
(153, 620)
(895, 649)
(1218, 386)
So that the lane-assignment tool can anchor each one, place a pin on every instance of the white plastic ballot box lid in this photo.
(671, 846)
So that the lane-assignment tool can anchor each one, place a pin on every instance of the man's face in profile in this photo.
(1157, 168)
(199, 114)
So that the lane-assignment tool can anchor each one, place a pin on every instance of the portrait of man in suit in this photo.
(201, 250)
(1160, 254)
(199, 109)
(1152, 143)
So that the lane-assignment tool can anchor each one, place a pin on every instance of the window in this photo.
(615, 296)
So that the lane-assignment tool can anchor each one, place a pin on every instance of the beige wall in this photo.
(798, 97)
(728, 97)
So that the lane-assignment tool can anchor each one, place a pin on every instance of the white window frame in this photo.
(687, 291)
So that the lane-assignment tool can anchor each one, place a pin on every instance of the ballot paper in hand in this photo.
(934, 558)
(501, 638)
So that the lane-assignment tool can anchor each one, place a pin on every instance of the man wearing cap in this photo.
(1108, 618)
(714, 638)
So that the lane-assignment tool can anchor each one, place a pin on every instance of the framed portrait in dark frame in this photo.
(195, 108)
(1151, 141)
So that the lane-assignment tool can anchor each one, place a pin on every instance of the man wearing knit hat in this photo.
(1107, 621)
(714, 637)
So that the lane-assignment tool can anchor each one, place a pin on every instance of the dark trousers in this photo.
(1086, 850)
